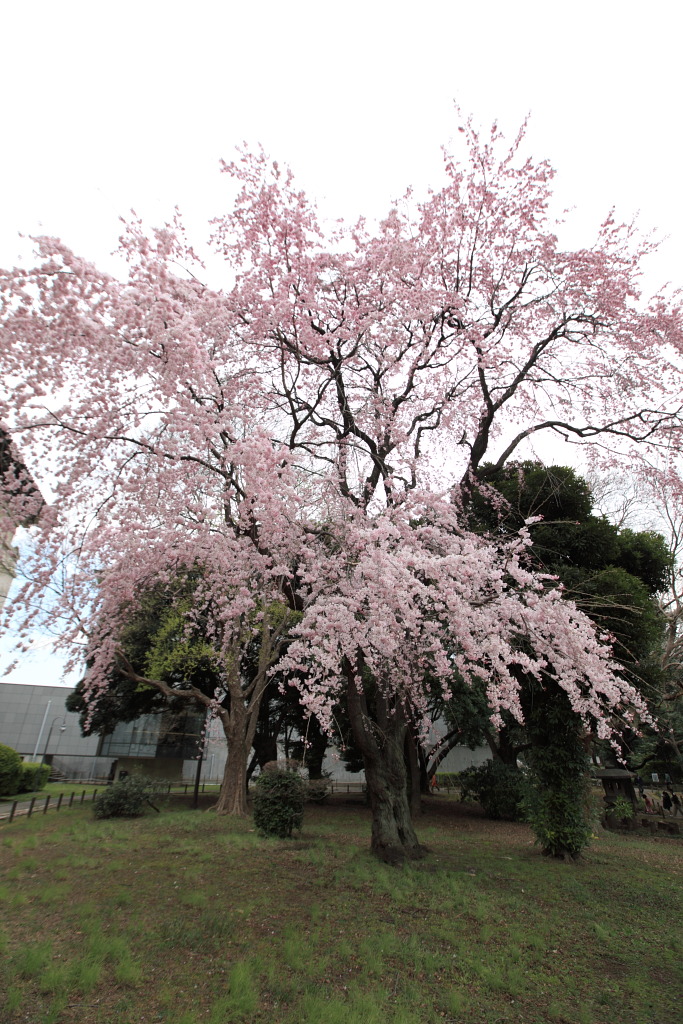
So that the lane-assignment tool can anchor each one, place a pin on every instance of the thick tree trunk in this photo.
(430, 761)
(233, 795)
(425, 777)
(265, 748)
(314, 754)
(381, 740)
(502, 747)
(239, 723)
(413, 772)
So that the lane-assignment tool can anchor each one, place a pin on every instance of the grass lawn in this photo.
(184, 918)
(54, 790)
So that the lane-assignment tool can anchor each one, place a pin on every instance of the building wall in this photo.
(459, 758)
(25, 710)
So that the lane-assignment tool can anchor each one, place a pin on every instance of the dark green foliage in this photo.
(317, 790)
(10, 771)
(160, 640)
(556, 798)
(279, 803)
(124, 799)
(498, 787)
(620, 604)
(569, 540)
(33, 776)
(122, 701)
(613, 576)
(645, 555)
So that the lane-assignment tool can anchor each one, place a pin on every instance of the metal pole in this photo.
(61, 730)
(40, 734)
(200, 760)
(195, 798)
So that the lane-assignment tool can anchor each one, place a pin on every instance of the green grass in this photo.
(184, 918)
(64, 789)
(54, 790)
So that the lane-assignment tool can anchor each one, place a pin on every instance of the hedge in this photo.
(10, 771)
(33, 776)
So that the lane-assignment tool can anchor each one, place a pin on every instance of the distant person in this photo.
(667, 803)
(649, 809)
(676, 804)
(640, 786)
(667, 780)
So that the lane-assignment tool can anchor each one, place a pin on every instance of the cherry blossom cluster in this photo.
(311, 433)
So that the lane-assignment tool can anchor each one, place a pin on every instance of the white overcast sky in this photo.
(113, 106)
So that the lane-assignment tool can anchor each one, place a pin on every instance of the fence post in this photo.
(71, 799)
(59, 802)
(94, 794)
(14, 807)
(47, 801)
(30, 806)
(82, 795)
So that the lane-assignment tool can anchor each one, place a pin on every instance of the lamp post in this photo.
(40, 734)
(47, 742)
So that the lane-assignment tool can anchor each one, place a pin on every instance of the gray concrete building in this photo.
(34, 721)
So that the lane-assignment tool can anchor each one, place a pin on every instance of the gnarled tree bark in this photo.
(381, 740)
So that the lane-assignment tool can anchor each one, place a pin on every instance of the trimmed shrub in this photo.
(10, 771)
(449, 780)
(33, 776)
(279, 803)
(124, 799)
(317, 790)
(498, 787)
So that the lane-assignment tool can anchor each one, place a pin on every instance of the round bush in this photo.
(499, 788)
(10, 771)
(124, 799)
(279, 803)
(33, 776)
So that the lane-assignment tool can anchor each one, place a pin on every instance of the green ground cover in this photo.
(184, 918)
(53, 789)
(56, 789)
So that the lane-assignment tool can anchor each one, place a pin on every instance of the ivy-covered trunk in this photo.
(557, 802)
(381, 739)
